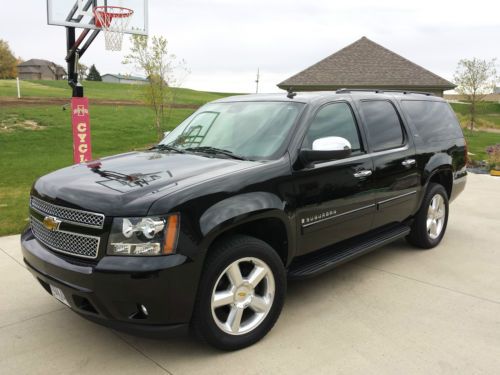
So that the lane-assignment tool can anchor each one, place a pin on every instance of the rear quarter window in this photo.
(432, 121)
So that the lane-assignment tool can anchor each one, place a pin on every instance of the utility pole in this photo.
(257, 82)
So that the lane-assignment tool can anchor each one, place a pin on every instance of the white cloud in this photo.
(225, 41)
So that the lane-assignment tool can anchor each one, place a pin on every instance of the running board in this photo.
(324, 260)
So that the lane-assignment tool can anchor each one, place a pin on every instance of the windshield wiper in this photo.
(215, 150)
(167, 148)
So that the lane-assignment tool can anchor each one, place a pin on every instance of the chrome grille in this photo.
(75, 244)
(69, 215)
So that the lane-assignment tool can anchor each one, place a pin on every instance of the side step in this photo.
(328, 258)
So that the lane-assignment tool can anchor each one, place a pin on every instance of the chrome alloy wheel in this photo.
(435, 216)
(243, 296)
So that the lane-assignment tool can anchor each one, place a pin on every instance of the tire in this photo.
(422, 235)
(224, 296)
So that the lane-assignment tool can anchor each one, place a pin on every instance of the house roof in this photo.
(33, 63)
(365, 63)
(122, 76)
(36, 62)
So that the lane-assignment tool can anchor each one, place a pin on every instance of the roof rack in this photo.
(381, 91)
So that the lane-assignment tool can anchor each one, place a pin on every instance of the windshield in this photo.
(251, 130)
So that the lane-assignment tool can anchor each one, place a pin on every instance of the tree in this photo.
(82, 71)
(164, 72)
(93, 74)
(8, 62)
(475, 78)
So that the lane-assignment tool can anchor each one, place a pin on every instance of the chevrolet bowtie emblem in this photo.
(51, 223)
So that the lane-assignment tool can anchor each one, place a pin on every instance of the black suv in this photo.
(204, 229)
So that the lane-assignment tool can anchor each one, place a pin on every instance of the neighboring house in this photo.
(40, 69)
(366, 64)
(119, 78)
(496, 90)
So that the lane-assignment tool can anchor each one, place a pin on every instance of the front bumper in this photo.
(111, 290)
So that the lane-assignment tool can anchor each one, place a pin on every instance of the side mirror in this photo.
(328, 148)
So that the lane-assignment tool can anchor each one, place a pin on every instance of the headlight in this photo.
(144, 235)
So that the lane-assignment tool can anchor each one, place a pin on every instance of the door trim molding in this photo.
(397, 197)
(323, 219)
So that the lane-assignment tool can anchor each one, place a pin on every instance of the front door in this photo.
(334, 199)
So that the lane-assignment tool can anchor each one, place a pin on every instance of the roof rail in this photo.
(381, 91)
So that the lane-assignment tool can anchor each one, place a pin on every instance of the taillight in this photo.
(466, 156)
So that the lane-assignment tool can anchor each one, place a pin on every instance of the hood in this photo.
(128, 184)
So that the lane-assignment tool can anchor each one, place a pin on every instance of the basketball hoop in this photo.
(113, 21)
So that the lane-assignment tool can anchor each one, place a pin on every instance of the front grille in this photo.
(69, 215)
(76, 244)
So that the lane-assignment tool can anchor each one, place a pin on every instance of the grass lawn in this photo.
(39, 140)
(100, 90)
(477, 142)
(35, 140)
(488, 114)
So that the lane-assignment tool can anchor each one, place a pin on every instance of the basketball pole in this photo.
(71, 59)
(80, 117)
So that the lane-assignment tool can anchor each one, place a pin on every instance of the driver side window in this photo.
(334, 120)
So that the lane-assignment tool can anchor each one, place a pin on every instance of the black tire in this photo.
(419, 235)
(206, 322)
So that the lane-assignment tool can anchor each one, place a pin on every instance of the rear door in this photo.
(334, 198)
(396, 176)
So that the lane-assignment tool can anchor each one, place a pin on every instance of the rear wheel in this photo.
(430, 222)
(241, 293)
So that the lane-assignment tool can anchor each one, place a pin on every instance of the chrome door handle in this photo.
(363, 173)
(408, 162)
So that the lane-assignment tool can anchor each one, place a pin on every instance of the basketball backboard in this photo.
(79, 13)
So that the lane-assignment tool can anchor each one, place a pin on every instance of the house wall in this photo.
(113, 79)
(29, 76)
(109, 78)
(434, 91)
(43, 72)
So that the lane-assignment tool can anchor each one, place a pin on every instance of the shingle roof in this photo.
(37, 62)
(365, 63)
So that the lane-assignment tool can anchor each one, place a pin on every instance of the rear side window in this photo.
(382, 124)
(334, 120)
(432, 121)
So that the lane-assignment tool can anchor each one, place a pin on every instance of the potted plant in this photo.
(494, 159)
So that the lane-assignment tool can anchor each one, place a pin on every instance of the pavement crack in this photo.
(11, 257)
(141, 352)
(31, 318)
(428, 283)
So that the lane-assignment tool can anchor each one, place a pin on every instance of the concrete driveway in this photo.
(397, 310)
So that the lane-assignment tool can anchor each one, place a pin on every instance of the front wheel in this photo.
(430, 221)
(241, 293)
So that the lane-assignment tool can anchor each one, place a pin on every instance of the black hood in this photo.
(128, 184)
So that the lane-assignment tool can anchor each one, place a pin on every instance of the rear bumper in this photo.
(111, 291)
(459, 183)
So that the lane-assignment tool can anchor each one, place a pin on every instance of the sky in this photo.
(224, 42)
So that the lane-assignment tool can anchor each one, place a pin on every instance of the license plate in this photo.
(59, 295)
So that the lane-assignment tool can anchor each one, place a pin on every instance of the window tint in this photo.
(334, 120)
(432, 121)
(383, 125)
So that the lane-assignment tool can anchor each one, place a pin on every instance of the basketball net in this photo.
(113, 21)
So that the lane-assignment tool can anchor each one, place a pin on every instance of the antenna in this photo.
(257, 82)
